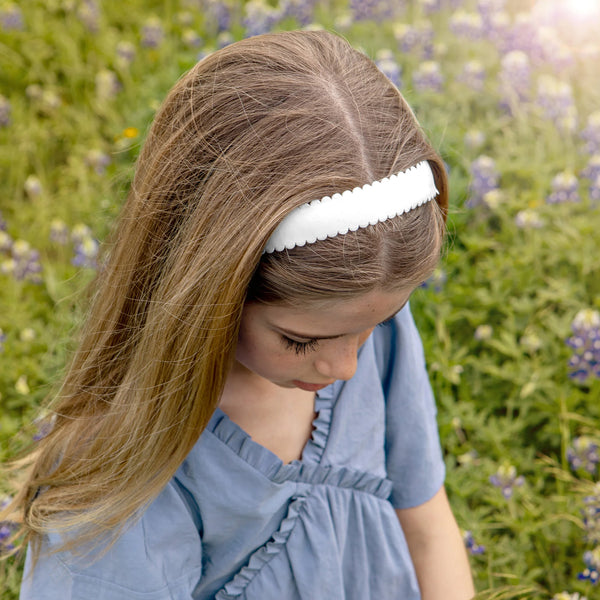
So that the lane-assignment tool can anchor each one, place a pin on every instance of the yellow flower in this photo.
(22, 386)
(130, 132)
(27, 334)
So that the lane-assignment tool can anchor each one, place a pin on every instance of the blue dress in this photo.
(236, 523)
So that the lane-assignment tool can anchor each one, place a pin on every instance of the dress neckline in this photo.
(260, 457)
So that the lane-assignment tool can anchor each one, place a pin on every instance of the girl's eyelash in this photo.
(311, 345)
(300, 347)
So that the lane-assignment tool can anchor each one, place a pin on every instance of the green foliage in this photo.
(494, 320)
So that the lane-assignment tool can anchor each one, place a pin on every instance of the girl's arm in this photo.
(437, 550)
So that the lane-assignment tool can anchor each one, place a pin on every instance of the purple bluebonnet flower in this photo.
(375, 10)
(387, 64)
(80, 232)
(44, 425)
(59, 232)
(474, 139)
(592, 169)
(468, 458)
(528, 219)
(7, 529)
(25, 265)
(484, 179)
(300, 10)
(125, 52)
(430, 6)
(88, 13)
(471, 545)
(224, 39)
(185, 18)
(218, 15)
(583, 454)
(494, 198)
(595, 190)
(2, 340)
(496, 27)
(464, 24)
(407, 37)
(487, 8)
(591, 573)
(107, 84)
(97, 160)
(515, 80)
(11, 17)
(472, 75)
(428, 77)
(553, 51)
(591, 516)
(153, 33)
(33, 186)
(6, 241)
(585, 342)
(5, 110)
(565, 188)
(86, 253)
(2, 223)
(522, 36)
(415, 38)
(506, 479)
(436, 280)
(191, 38)
(555, 97)
(259, 17)
(591, 133)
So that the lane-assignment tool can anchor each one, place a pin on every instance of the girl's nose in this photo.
(339, 360)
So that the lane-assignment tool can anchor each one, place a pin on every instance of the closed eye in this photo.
(313, 344)
(300, 347)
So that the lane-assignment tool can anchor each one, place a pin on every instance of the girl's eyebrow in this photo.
(331, 337)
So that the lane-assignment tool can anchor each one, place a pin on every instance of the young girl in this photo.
(248, 415)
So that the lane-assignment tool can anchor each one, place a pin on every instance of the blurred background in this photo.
(508, 92)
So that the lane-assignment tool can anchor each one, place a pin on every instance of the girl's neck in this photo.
(279, 419)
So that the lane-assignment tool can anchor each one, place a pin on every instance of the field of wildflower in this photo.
(509, 93)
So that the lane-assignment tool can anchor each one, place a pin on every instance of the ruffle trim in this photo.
(309, 472)
(263, 459)
(313, 451)
(237, 586)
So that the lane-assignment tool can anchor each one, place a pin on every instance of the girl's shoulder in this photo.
(135, 566)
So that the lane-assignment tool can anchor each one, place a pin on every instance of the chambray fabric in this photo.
(235, 522)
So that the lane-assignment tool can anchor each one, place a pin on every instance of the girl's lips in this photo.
(310, 387)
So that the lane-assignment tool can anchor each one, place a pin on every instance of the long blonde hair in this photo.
(251, 132)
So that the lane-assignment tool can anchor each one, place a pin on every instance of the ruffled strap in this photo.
(233, 436)
(315, 447)
(237, 586)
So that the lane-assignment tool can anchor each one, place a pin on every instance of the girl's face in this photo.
(310, 348)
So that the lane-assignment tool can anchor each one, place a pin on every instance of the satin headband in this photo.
(353, 209)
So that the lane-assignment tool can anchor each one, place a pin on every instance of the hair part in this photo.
(247, 135)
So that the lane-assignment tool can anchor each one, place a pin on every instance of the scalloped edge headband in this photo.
(354, 209)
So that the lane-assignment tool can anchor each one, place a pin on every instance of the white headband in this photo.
(360, 207)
